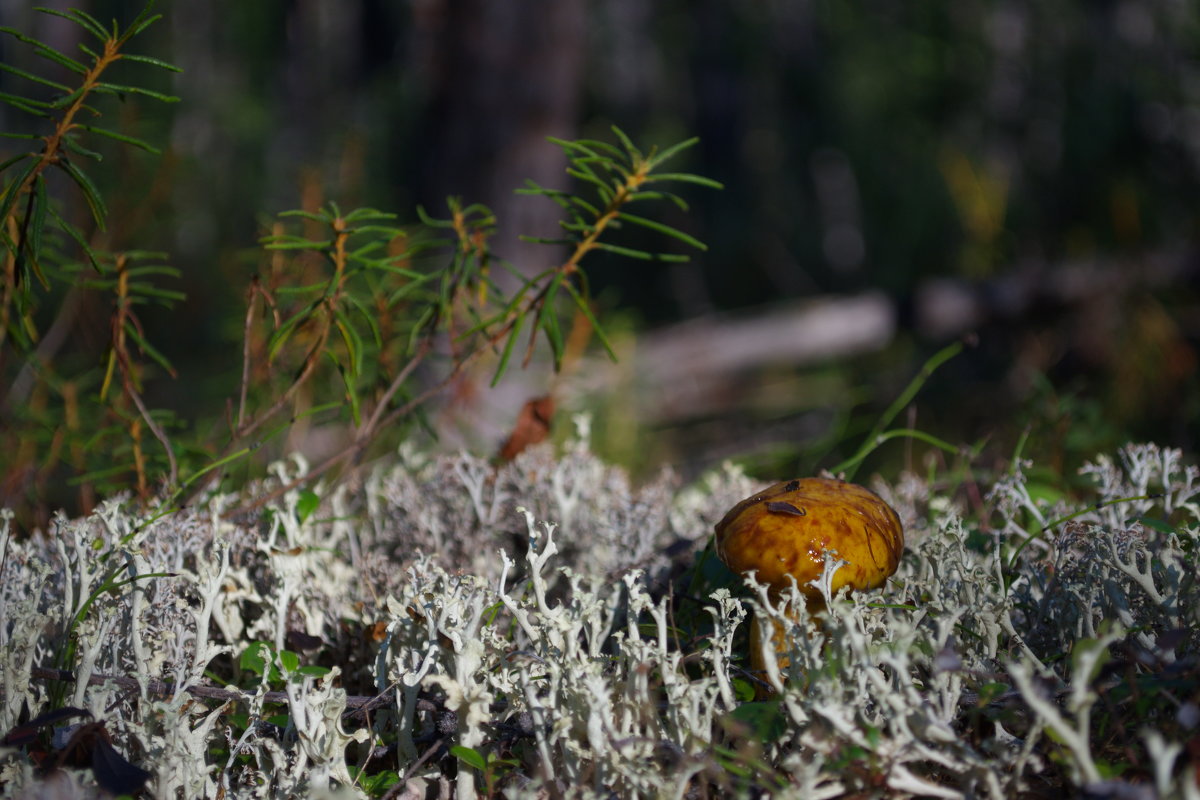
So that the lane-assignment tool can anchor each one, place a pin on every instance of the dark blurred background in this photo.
(898, 175)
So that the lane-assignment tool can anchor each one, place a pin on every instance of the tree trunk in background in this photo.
(502, 76)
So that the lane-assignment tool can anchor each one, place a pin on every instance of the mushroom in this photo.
(784, 532)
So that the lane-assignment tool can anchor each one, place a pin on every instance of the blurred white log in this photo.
(690, 369)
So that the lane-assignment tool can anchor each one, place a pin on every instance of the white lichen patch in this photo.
(546, 629)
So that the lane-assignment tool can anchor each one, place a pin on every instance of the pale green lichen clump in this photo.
(537, 631)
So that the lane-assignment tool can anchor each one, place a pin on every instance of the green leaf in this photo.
(289, 662)
(659, 158)
(1154, 523)
(348, 381)
(603, 188)
(430, 222)
(37, 225)
(548, 320)
(640, 254)
(544, 240)
(426, 317)
(71, 144)
(766, 720)
(353, 342)
(315, 217)
(585, 205)
(67, 99)
(255, 658)
(582, 304)
(90, 193)
(409, 288)
(78, 237)
(368, 316)
(469, 756)
(116, 88)
(80, 18)
(313, 671)
(132, 332)
(626, 143)
(33, 107)
(29, 76)
(508, 349)
(158, 62)
(666, 230)
(120, 137)
(8, 162)
(684, 177)
(293, 243)
(598, 146)
(306, 504)
(284, 331)
(743, 690)
(144, 20)
(580, 146)
(45, 50)
(14, 188)
(59, 58)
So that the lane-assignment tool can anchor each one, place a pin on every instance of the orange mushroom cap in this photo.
(785, 532)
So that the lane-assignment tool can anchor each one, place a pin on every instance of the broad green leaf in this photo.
(313, 671)
(1155, 523)
(306, 504)
(765, 719)
(256, 657)
(469, 756)
(289, 662)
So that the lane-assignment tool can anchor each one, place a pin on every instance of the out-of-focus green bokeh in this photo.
(1026, 172)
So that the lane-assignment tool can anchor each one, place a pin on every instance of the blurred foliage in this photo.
(353, 304)
(862, 144)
